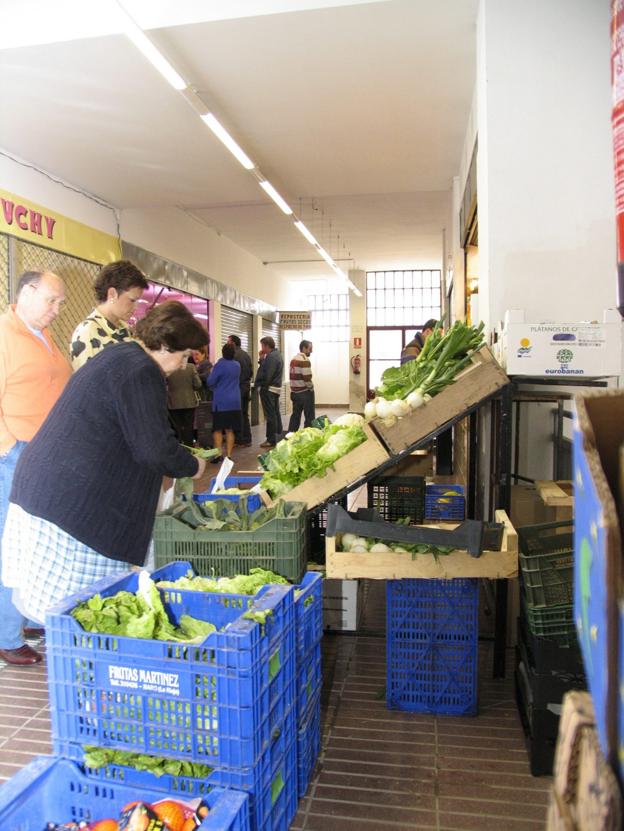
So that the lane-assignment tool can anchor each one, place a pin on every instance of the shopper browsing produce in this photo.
(118, 288)
(85, 489)
(224, 381)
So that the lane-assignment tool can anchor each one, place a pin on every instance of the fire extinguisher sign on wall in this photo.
(617, 120)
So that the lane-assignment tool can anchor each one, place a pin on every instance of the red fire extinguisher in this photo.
(356, 364)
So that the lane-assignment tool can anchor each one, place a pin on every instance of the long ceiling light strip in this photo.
(222, 134)
(281, 203)
(160, 63)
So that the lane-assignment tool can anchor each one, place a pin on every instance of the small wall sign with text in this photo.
(299, 321)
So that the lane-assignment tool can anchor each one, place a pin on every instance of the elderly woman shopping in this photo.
(86, 487)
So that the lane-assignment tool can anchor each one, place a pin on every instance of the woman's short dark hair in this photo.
(171, 325)
(228, 351)
(121, 275)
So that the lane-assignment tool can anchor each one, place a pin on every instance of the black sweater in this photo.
(95, 466)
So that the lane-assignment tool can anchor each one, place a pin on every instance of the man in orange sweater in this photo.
(33, 373)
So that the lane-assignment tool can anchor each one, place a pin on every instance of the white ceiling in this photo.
(356, 112)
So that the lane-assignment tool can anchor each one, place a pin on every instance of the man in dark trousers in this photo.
(269, 382)
(301, 387)
(243, 438)
(413, 348)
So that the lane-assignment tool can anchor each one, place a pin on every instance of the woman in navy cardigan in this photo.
(226, 400)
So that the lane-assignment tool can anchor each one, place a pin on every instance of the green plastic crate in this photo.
(556, 622)
(547, 563)
(278, 545)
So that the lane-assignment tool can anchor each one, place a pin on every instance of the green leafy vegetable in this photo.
(99, 757)
(140, 615)
(201, 452)
(240, 584)
(308, 452)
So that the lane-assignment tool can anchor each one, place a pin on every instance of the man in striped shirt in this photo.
(301, 387)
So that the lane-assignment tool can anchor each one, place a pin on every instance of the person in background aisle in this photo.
(86, 488)
(33, 374)
(412, 350)
(269, 382)
(243, 436)
(204, 367)
(224, 380)
(301, 387)
(118, 288)
(183, 388)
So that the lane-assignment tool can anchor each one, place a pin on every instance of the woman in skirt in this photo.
(226, 400)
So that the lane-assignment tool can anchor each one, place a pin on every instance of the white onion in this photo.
(399, 407)
(370, 410)
(360, 542)
(379, 548)
(415, 399)
(347, 541)
(358, 549)
(384, 408)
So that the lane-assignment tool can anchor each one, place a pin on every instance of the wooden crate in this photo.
(478, 381)
(363, 459)
(397, 566)
(557, 495)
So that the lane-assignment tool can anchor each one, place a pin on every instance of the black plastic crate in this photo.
(541, 728)
(546, 654)
(315, 532)
(396, 497)
(548, 688)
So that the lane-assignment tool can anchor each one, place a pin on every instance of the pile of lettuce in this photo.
(100, 757)
(140, 615)
(240, 584)
(225, 515)
(306, 453)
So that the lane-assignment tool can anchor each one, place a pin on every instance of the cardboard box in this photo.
(558, 350)
(477, 382)
(598, 434)
(397, 566)
(342, 605)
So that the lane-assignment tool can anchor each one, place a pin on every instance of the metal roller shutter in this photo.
(269, 327)
(235, 322)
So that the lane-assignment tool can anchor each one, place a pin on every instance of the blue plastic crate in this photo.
(55, 790)
(283, 617)
(271, 783)
(216, 702)
(309, 745)
(309, 613)
(440, 504)
(432, 645)
(253, 499)
(309, 682)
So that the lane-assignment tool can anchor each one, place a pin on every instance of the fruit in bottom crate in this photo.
(172, 813)
(104, 825)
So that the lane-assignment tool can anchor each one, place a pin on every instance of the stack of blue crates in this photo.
(228, 703)
(308, 611)
(309, 625)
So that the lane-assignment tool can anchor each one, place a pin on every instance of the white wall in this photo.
(545, 169)
(167, 232)
(35, 186)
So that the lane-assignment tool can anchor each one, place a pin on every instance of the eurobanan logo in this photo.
(524, 350)
(564, 356)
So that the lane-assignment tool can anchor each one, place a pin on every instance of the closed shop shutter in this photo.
(272, 329)
(235, 322)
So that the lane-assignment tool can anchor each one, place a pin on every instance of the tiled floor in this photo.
(379, 770)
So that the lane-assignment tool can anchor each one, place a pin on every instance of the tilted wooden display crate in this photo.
(396, 566)
(477, 382)
(354, 466)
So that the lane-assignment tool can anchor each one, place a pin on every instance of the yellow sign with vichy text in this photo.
(41, 226)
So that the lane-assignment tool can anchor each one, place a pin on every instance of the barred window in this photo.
(402, 298)
(329, 317)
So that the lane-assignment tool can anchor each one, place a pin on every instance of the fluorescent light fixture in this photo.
(354, 288)
(281, 203)
(222, 134)
(325, 255)
(302, 229)
(156, 58)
